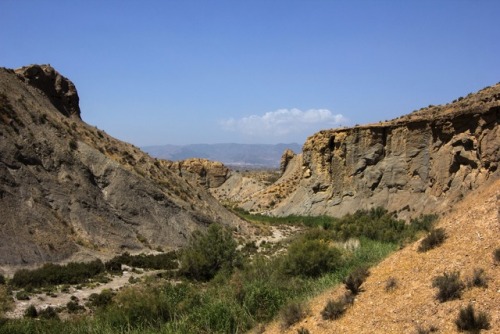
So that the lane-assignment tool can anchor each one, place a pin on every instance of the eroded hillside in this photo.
(423, 162)
(69, 190)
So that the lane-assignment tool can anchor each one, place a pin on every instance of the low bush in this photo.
(426, 330)
(74, 307)
(166, 261)
(468, 320)
(6, 301)
(101, 299)
(2, 279)
(48, 313)
(292, 313)
(449, 286)
(334, 309)
(435, 238)
(391, 284)
(311, 258)
(53, 274)
(303, 330)
(496, 255)
(22, 295)
(355, 279)
(31, 312)
(478, 279)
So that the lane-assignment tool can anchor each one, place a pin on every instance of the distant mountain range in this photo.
(238, 155)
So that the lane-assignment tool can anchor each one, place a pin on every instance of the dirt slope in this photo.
(70, 191)
(473, 227)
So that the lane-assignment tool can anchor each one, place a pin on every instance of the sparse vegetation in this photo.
(303, 330)
(470, 321)
(426, 330)
(334, 309)
(496, 255)
(449, 285)
(478, 279)
(391, 284)
(435, 238)
(355, 279)
(292, 313)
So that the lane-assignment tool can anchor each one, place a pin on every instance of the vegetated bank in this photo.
(220, 289)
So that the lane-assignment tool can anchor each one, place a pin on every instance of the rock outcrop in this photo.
(420, 163)
(60, 90)
(70, 191)
(285, 159)
(210, 174)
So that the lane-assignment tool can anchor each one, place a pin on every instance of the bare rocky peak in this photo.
(60, 90)
(69, 191)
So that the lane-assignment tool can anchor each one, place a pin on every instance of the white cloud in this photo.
(285, 123)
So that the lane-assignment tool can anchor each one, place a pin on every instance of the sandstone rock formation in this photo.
(420, 163)
(210, 174)
(70, 191)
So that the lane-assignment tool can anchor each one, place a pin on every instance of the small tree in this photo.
(208, 253)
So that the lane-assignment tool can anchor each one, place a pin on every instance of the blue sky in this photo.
(184, 72)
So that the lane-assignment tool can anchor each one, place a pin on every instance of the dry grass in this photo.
(473, 228)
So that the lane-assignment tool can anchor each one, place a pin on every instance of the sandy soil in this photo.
(42, 301)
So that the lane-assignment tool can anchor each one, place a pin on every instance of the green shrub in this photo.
(53, 274)
(292, 313)
(435, 238)
(2, 279)
(449, 286)
(31, 312)
(101, 299)
(355, 279)
(73, 307)
(208, 253)
(468, 320)
(22, 295)
(303, 330)
(164, 261)
(311, 258)
(48, 313)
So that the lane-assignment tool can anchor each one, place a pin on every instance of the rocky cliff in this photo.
(420, 163)
(70, 191)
